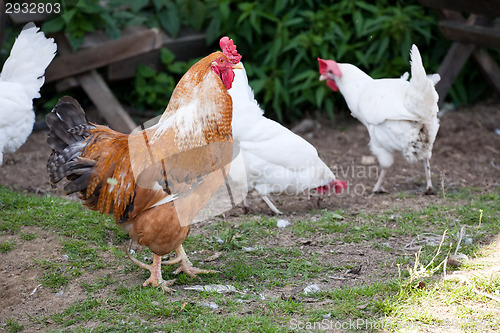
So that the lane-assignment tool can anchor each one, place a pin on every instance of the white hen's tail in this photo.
(31, 54)
(421, 96)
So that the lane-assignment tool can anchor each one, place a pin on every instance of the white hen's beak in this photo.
(322, 77)
(238, 66)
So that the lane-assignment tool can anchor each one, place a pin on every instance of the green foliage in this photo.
(152, 88)
(280, 41)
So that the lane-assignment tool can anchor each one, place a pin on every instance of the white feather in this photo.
(189, 120)
(20, 82)
(276, 160)
(394, 110)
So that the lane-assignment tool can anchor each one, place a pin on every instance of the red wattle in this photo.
(227, 78)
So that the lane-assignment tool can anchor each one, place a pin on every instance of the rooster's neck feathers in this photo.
(200, 109)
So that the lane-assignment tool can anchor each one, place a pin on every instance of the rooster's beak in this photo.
(322, 77)
(238, 66)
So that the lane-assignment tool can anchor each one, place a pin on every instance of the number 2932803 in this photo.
(32, 8)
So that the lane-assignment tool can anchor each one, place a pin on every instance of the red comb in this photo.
(229, 49)
(331, 65)
(322, 66)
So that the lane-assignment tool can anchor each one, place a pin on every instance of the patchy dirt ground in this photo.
(466, 154)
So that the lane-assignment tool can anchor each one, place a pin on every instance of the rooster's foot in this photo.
(159, 282)
(186, 266)
(192, 271)
(155, 279)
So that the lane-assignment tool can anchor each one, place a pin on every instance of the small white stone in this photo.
(282, 223)
(367, 159)
(247, 249)
(34, 290)
(310, 289)
(211, 305)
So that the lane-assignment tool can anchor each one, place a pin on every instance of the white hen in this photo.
(276, 160)
(20, 81)
(400, 115)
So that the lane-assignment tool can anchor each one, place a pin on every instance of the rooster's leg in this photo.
(271, 205)
(427, 167)
(378, 186)
(155, 279)
(186, 266)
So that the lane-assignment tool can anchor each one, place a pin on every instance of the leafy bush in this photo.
(281, 40)
(152, 89)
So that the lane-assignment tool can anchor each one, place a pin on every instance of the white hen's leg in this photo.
(378, 186)
(270, 204)
(385, 160)
(427, 167)
(186, 266)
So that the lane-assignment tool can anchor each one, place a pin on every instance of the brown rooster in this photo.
(153, 181)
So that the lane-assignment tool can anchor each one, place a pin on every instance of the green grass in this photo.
(7, 246)
(269, 278)
(13, 326)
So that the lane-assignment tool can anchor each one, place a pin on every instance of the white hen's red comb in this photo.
(229, 49)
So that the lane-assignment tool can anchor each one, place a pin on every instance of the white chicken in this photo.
(20, 81)
(400, 115)
(276, 160)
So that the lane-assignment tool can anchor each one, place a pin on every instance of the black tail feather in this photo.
(66, 115)
(68, 130)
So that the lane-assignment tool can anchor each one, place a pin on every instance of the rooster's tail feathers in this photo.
(68, 129)
(30, 56)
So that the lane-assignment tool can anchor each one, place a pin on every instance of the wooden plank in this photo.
(23, 18)
(184, 48)
(104, 54)
(489, 67)
(67, 84)
(451, 66)
(107, 104)
(482, 7)
(459, 32)
(100, 94)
